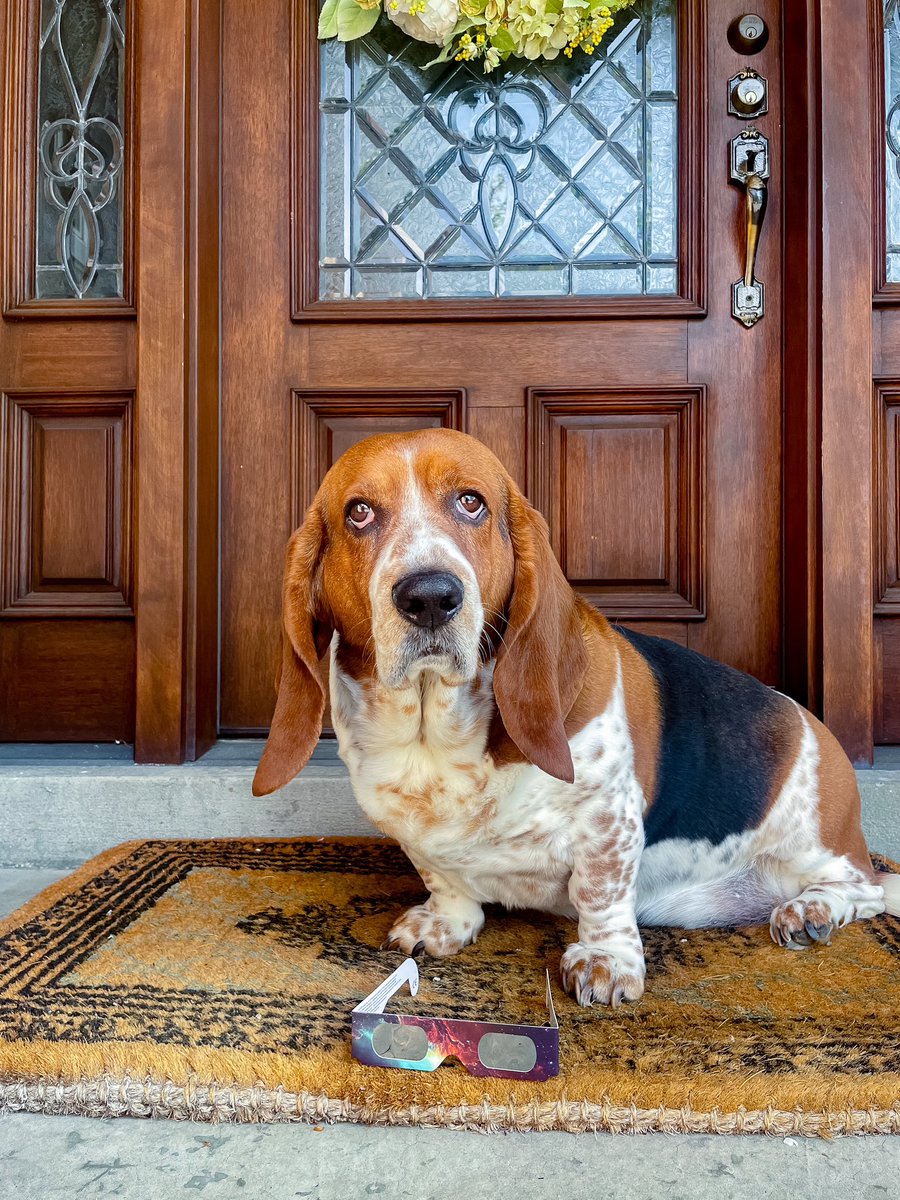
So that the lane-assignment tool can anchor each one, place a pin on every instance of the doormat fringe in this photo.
(128, 1097)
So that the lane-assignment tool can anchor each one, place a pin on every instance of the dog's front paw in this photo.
(441, 936)
(596, 977)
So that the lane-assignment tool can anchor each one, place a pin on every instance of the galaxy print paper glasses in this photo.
(381, 1039)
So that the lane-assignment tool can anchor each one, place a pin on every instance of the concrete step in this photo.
(59, 805)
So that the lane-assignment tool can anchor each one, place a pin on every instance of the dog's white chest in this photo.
(420, 772)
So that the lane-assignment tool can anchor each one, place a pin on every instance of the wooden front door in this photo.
(547, 259)
(67, 374)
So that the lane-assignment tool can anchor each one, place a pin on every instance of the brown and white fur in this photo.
(523, 751)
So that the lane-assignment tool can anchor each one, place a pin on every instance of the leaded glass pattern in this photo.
(544, 179)
(80, 151)
(892, 133)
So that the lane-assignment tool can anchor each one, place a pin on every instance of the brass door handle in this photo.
(757, 193)
(750, 170)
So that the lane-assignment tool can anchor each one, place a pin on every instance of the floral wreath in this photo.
(489, 30)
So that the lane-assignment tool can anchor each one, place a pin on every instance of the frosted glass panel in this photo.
(80, 149)
(552, 179)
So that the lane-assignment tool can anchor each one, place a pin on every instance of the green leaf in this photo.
(503, 41)
(354, 22)
(328, 19)
(442, 57)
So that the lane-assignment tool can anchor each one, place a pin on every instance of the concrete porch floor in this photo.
(58, 806)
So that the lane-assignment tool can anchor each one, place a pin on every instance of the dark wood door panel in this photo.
(887, 680)
(66, 517)
(886, 538)
(620, 476)
(61, 356)
(498, 359)
(66, 536)
(886, 498)
(67, 681)
(66, 507)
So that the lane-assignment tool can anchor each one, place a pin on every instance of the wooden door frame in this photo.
(801, 584)
(846, 35)
(827, 628)
(827, 467)
(178, 65)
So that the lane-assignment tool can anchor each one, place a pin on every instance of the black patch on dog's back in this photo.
(723, 740)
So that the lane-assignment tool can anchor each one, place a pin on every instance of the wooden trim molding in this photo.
(390, 409)
(886, 498)
(801, 480)
(845, 123)
(179, 71)
(674, 417)
(27, 587)
(690, 300)
(20, 135)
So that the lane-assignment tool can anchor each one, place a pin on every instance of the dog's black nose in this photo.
(429, 598)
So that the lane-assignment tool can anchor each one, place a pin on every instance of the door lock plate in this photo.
(749, 155)
(747, 302)
(748, 94)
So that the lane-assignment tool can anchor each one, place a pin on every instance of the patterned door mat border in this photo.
(277, 939)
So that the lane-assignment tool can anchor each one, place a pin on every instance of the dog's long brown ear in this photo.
(306, 633)
(542, 662)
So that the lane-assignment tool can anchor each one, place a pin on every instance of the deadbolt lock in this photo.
(748, 34)
(748, 94)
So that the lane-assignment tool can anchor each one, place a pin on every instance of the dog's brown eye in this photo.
(360, 514)
(471, 505)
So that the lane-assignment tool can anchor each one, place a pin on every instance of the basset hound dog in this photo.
(525, 752)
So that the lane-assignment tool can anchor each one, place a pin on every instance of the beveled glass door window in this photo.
(892, 136)
(80, 150)
(69, 149)
(544, 180)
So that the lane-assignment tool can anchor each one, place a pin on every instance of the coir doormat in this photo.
(213, 980)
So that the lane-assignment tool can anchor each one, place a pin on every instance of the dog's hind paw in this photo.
(801, 923)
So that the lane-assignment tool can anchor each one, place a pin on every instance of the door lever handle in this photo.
(757, 192)
(750, 170)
